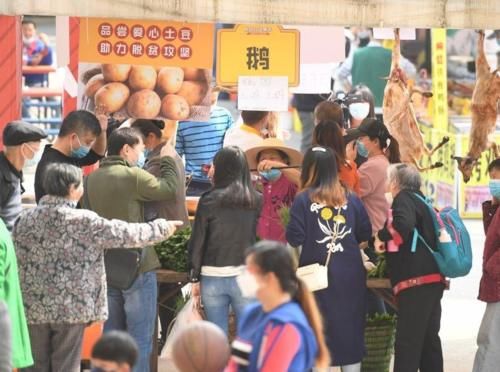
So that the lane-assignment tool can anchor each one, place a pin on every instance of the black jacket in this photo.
(220, 234)
(306, 102)
(10, 192)
(409, 212)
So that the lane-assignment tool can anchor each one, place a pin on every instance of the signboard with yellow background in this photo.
(476, 191)
(257, 50)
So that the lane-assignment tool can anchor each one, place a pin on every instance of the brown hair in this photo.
(328, 110)
(328, 134)
(277, 258)
(253, 117)
(320, 175)
(392, 151)
(272, 125)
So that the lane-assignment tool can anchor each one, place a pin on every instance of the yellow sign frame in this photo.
(232, 52)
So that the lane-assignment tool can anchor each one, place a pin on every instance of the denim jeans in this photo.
(488, 340)
(134, 310)
(217, 293)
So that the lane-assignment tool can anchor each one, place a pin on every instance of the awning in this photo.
(483, 14)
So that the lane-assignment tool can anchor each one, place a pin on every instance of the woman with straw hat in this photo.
(277, 166)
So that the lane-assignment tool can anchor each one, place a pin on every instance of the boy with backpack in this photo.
(488, 339)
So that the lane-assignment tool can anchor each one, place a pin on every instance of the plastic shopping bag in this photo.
(190, 313)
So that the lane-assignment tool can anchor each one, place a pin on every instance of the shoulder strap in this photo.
(416, 237)
(436, 219)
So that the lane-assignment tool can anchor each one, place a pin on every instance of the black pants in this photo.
(418, 346)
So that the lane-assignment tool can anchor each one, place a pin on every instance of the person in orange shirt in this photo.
(329, 134)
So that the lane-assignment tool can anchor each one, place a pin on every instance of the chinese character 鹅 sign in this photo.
(257, 50)
(154, 43)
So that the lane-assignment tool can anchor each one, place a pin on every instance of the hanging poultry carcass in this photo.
(485, 100)
(399, 116)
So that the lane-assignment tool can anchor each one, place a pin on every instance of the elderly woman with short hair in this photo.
(60, 252)
(415, 277)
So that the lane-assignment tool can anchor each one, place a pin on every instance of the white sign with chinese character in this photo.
(315, 78)
(388, 33)
(263, 93)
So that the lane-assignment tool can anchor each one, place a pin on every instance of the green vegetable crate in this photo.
(380, 333)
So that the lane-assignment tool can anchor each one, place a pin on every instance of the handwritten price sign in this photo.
(263, 93)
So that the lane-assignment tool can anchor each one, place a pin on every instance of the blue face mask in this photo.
(271, 175)
(141, 160)
(147, 153)
(80, 152)
(362, 151)
(495, 188)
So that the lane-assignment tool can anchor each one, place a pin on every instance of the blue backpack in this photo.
(454, 258)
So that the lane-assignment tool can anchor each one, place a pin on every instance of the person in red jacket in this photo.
(488, 339)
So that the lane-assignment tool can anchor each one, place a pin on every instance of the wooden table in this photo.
(383, 289)
(169, 277)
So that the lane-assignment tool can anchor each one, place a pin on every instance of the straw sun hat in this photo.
(273, 144)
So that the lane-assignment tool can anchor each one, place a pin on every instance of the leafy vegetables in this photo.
(172, 252)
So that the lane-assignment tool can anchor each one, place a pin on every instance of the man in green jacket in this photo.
(10, 293)
(369, 65)
(118, 190)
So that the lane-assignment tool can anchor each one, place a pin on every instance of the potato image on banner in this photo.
(112, 96)
(94, 84)
(193, 91)
(170, 79)
(194, 74)
(144, 104)
(174, 107)
(114, 72)
(142, 77)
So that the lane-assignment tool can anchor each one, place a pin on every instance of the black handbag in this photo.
(122, 265)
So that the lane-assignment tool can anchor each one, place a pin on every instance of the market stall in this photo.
(171, 62)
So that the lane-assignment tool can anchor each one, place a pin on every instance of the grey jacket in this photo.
(173, 209)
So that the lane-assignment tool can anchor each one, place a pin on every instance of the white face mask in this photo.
(359, 110)
(29, 40)
(248, 284)
(37, 155)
